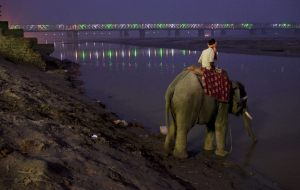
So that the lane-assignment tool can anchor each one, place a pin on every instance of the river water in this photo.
(132, 82)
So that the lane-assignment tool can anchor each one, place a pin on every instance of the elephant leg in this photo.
(209, 137)
(181, 141)
(170, 138)
(221, 125)
(221, 141)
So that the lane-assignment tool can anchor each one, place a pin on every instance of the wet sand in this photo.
(46, 125)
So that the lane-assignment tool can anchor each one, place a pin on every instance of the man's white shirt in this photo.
(207, 56)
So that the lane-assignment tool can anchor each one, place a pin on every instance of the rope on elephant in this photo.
(194, 69)
(230, 139)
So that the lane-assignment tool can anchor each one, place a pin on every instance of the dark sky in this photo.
(149, 11)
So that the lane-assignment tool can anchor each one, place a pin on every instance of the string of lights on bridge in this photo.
(61, 27)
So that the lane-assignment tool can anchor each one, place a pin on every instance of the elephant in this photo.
(189, 105)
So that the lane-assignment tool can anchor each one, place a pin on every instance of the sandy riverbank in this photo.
(288, 46)
(45, 142)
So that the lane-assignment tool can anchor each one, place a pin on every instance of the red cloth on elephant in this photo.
(216, 85)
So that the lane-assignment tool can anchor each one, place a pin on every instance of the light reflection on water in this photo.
(132, 82)
(120, 56)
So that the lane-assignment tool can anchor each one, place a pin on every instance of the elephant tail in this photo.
(168, 103)
(168, 98)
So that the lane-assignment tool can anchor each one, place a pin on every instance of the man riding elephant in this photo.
(208, 57)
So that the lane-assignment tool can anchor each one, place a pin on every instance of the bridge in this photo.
(72, 29)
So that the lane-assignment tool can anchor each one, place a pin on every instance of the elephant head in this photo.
(238, 106)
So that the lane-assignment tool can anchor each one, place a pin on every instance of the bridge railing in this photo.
(151, 26)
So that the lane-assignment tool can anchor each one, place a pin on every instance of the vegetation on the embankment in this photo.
(24, 51)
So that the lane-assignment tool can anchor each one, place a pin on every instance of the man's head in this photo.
(211, 42)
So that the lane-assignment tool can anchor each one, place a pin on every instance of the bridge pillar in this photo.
(69, 35)
(126, 33)
(252, 32)
(223, 32)
(75, 35)
(201, 33)
(121, 33)
(287, 32)
(297, 31)
(177, 33)
(264, 31)
(142, 33)
(169, 33)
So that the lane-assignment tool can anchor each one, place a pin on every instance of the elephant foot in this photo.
(207, 153)
(180, 155)
(221, 152)
(168, 147)
(208, 148)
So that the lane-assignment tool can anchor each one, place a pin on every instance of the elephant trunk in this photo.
(247, 118)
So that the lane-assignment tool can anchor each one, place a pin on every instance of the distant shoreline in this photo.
(282, 46)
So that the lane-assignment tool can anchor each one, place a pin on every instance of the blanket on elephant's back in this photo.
(215, 84)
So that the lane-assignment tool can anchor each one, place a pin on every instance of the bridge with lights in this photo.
(72, 29)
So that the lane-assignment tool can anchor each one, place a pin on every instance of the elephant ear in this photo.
(240, 86)
(235, 106)
(238, 98)
(234, 85)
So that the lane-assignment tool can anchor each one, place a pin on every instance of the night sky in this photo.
(149, 11)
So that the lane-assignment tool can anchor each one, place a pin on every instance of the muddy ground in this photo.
(46, 125)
